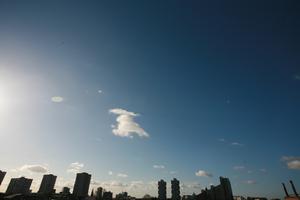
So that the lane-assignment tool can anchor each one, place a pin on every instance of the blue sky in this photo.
(136, 91)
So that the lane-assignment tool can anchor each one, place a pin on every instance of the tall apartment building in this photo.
(162, 190)
(47, 184)
(175, 189)
(82, 184)
(19, 186)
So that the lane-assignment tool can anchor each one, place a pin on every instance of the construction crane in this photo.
(291, 197)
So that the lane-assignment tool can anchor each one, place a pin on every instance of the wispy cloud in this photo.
(251, 182)
(99, 91)
(110, 173)
(57, 99)
(297, 77)
(75, 167)
(239, 167)
(230, 143)
(263, 170)
(126, 126)
(292, 162)
(173, 172)
(34, 168)
(158, 166)
(237, 144)
(193, 185)
(203, 173)
(122, 175)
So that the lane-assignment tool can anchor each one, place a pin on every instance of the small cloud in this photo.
(173, 172)
(239, 167)
(99, 91)
(158, 166)
(122, 175)
(250, 182)
(297, 77)
(237, 144)
(110, 173)
(34, 168)
(126, 126)
(292, 162)
(221, 140)
(57, 99)
(249, 171)
(203, 173)
(263, 170)
(75, 167)
(95, 183)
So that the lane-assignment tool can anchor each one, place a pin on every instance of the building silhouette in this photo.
(175, 189)
(219, 192)
(47, 184)
(82, 184)
(19, 186)
(2, 175)
(99, 193)
(65, 191)
(162, 190)
(107, 195)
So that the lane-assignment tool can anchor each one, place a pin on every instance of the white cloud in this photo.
(114, 184)
(297, 77)
(122, 175)
(239, 167)
(75, 167)
(237, 144)
(221, 140)
(263, 170)
(57, 99)
(173, 172)
(193, 185)
(251, 182)
(126, 126)
(34, 168)
(110, 173)
(99, 91)
(158, 166)
(292, 162)
(203, 173)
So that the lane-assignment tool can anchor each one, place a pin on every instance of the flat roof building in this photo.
(175, 189)
(162, 190)
(47, 184)
(19, 186)
(82, 184)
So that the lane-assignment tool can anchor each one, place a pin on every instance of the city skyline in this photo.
(138, 91)
(22, 186)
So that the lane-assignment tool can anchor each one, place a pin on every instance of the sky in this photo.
(137, 91)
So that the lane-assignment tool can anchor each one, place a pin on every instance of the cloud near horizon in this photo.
(75, 167)
(126, 126)
(239, 167)
(291, 162)
(122, 175)
(158, 166)
(203, 173)
(34, 168)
